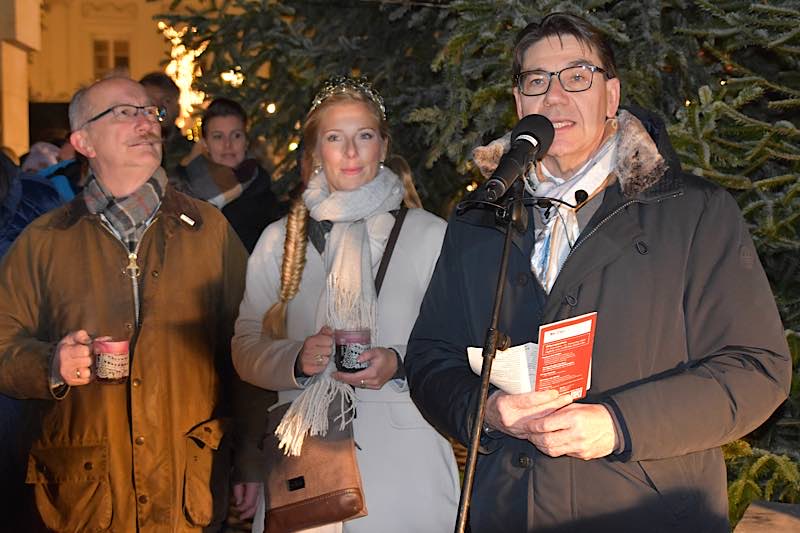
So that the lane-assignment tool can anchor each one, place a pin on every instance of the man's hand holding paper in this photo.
(581, 430)
(538, 383)
(515, 414)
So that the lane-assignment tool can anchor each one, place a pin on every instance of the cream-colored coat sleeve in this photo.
(261, 360)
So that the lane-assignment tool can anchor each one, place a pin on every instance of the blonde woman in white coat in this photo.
(284, 331)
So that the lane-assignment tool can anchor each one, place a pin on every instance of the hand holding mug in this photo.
(316, 352)
(73, 358)
(382, 365)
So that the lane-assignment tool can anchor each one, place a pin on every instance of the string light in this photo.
(687, 103)
(183, 69)
(233, 77)
(271, 108)
(292, 146)
(472, 186)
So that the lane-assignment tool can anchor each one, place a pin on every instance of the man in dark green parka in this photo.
(689, 350)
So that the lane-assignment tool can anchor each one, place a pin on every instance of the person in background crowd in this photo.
(225, 176)
(10, 155)
(330, 246)
(22, 199)
(133, 259)
(164, 93)
(70, 174)
(689, 350)
(40, 156)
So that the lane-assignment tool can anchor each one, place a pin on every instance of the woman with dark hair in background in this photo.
(225, 176)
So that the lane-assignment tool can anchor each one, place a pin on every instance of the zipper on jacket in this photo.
(133, 269)
(606, 219)
(597, 227)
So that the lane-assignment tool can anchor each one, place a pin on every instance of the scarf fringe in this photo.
(309, 413)
(350, 299)
(349, 308)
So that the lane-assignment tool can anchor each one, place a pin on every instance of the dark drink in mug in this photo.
(111, 360)
(350, 343)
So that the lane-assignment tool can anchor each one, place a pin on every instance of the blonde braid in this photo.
(294, 261)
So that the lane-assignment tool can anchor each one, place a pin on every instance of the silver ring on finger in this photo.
(363, 385)
(78, 373)
(319, 359)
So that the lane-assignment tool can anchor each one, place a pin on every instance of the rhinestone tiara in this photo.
(343, 84)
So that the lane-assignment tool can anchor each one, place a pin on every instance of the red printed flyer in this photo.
(565, 355)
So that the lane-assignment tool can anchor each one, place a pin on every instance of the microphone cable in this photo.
(546, 202)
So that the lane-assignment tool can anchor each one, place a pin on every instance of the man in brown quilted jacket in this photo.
(132, 259)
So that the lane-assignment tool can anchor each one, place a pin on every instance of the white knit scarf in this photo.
(350, 301)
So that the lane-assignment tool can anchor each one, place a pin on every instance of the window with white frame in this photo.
(111, 55)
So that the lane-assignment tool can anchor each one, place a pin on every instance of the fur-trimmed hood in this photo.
(644, 154)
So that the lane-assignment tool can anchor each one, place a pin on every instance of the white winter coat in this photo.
(408, 469)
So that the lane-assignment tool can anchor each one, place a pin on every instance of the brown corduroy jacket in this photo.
(154, 452)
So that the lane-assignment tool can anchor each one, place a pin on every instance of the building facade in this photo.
(49, 49)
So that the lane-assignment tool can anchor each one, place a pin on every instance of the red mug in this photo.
(111, 360)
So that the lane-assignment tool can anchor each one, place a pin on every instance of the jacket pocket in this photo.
(66, 479)
(670, 478)
(203, 471)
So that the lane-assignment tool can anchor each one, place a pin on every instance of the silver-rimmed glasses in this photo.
(573, 79)
(130, 112)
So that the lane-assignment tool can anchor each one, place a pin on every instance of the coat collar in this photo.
(645, 157)
(647, 168)
(176, 207)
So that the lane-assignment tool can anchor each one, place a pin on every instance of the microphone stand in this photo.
(513, 214)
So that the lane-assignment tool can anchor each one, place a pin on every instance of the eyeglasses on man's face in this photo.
(573, 79)
(128, 112)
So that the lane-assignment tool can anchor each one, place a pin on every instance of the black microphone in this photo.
(545, 202)
(530, 139)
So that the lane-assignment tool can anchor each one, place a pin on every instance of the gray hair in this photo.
(78, 107)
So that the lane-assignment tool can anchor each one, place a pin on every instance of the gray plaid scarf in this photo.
(128, 216)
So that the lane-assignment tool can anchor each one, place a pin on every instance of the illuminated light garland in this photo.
(183, 69)
(233, 77)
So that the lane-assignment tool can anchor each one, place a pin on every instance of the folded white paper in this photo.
(513, 370)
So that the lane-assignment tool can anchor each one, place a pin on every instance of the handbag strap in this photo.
(387, 252)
